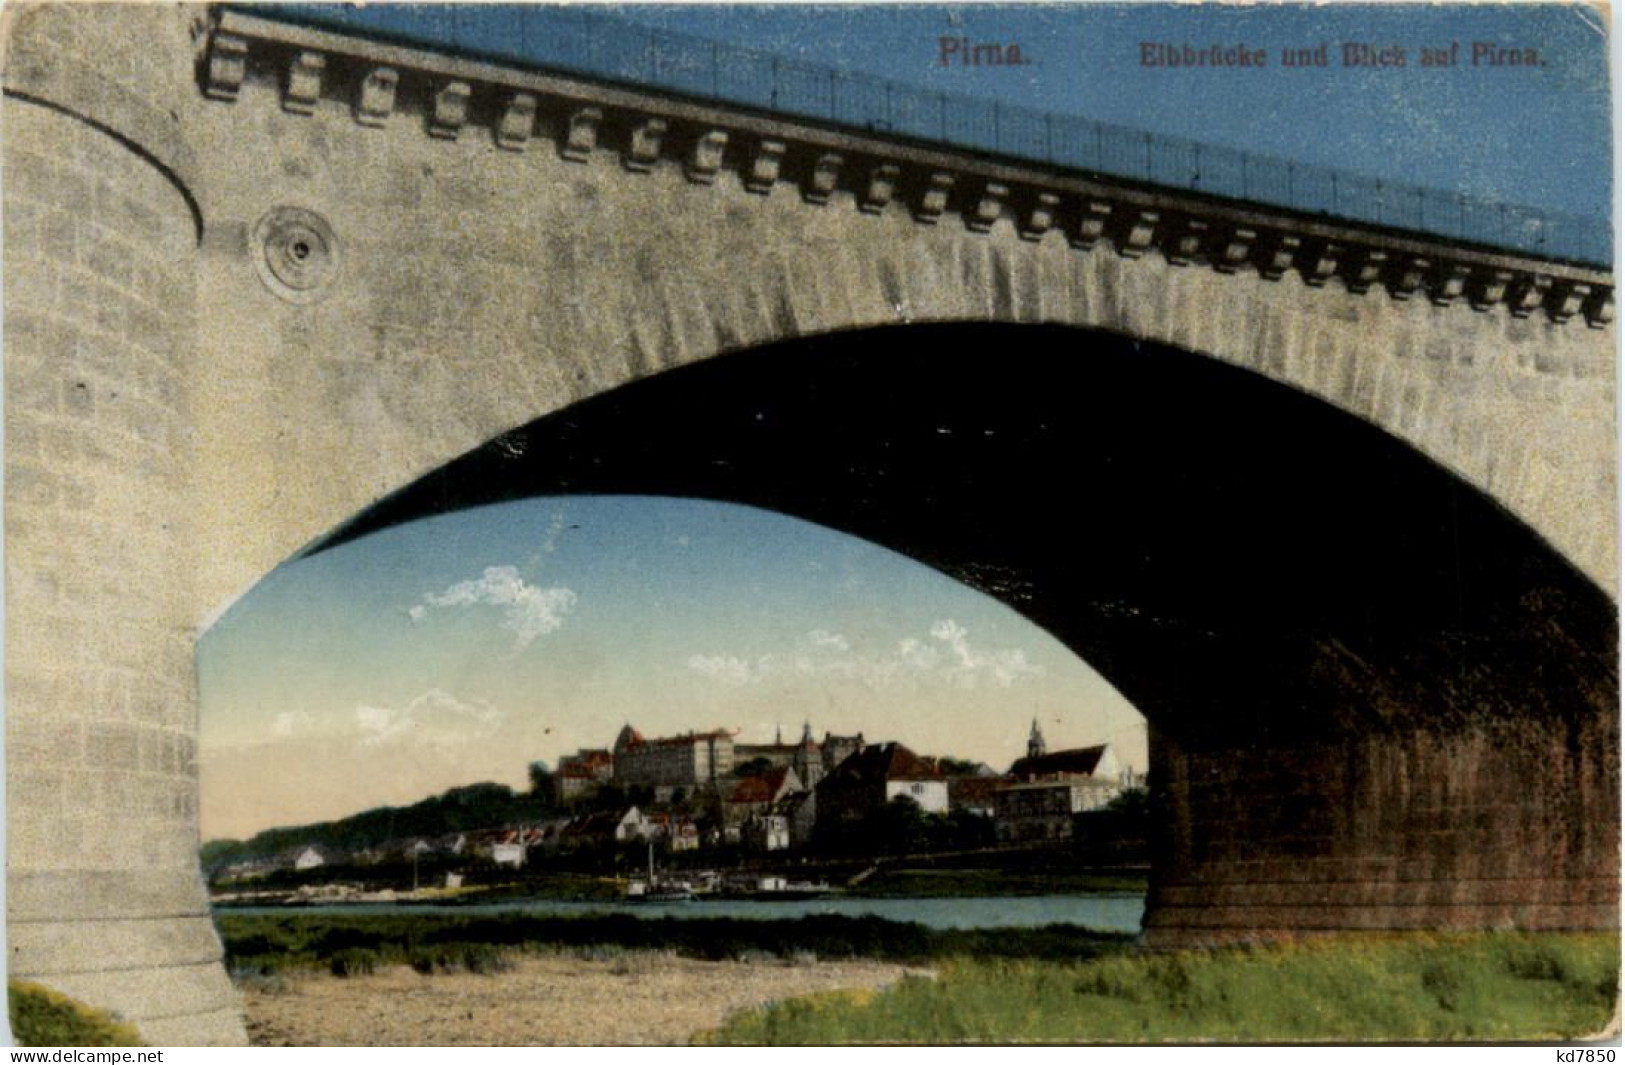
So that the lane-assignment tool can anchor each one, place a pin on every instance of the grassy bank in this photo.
(1490, 987)
(346, 944)
(41, 1017)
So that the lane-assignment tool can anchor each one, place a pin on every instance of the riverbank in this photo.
(1417, 987)
(888, 879)
(595, 997)
(258, 945)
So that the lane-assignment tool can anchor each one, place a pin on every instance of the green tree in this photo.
(541, 778)
(753, 767)
(900, 827)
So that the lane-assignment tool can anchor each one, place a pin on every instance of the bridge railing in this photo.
(600, 45)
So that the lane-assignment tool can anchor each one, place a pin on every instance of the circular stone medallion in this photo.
(297, 255)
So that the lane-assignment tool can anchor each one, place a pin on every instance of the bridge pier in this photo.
(1498, 824)
(104, 898)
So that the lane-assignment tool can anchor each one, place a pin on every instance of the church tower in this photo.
(1035, 742)
(808, 760)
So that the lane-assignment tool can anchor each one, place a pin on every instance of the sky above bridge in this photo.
(1491, 125)
(1411, 106)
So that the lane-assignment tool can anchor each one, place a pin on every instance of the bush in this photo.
(353, 961)
(479, 958)
(41, 1017)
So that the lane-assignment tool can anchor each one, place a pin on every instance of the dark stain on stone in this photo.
(1004, 295)
(890, 284)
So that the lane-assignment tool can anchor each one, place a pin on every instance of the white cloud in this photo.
(832, 640)
(433, 719)
(555, 526)
(293, 723)
(724, 668)
(1002, 668)
(528, 611)
(824, 655)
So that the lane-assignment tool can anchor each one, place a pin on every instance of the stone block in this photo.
(449, 112)
(705, 157)
(878, 193)
(304, 83)
(643, 147)
(1138, 233)
(934, 198)
(1599, 309)
(1449, 285)
(1092, 225)
(227, 67)
(116, 746)
(518, 122)
(989, 207)
(375, 96)
(1041, 217)
(821, 183)
(580, 134)
(764, 167)
(32, 486)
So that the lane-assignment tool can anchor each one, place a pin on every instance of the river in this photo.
(1107, 913)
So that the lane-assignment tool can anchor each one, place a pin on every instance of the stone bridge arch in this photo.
(259, 276)
(1344, 652)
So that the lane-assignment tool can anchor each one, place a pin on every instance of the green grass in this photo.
(259, 945)
(41, 1017)
(1491, 987)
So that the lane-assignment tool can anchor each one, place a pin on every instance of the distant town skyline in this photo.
(461, 648)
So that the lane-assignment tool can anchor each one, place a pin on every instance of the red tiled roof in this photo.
(687, 739)
(763, 788)
(1080, 761)
(974, 789)
(888, 761)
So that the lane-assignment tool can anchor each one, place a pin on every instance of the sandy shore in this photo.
(545, 1000)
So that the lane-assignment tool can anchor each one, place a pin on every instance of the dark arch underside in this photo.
(1272, 582)
(1191, 528)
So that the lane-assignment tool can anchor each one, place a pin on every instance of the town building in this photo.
(974, 794)
(1046, 789)
(1043, 810)
(583, 773)
(692, 760)
(753, 796)
(766, 832)
(309, 858)
(811, 759)
(778, 753)
(837, 749)
(870, 778)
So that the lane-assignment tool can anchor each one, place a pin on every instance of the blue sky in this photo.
(1536, 135)
(462, 647)
(1533, 135)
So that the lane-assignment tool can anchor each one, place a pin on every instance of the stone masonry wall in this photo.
(1512, 824)
(477, 289)
(104, 897)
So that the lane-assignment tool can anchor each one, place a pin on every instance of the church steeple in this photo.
(1035, 741)
(808, 761)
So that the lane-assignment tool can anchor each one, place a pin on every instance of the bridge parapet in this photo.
(581, 119)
